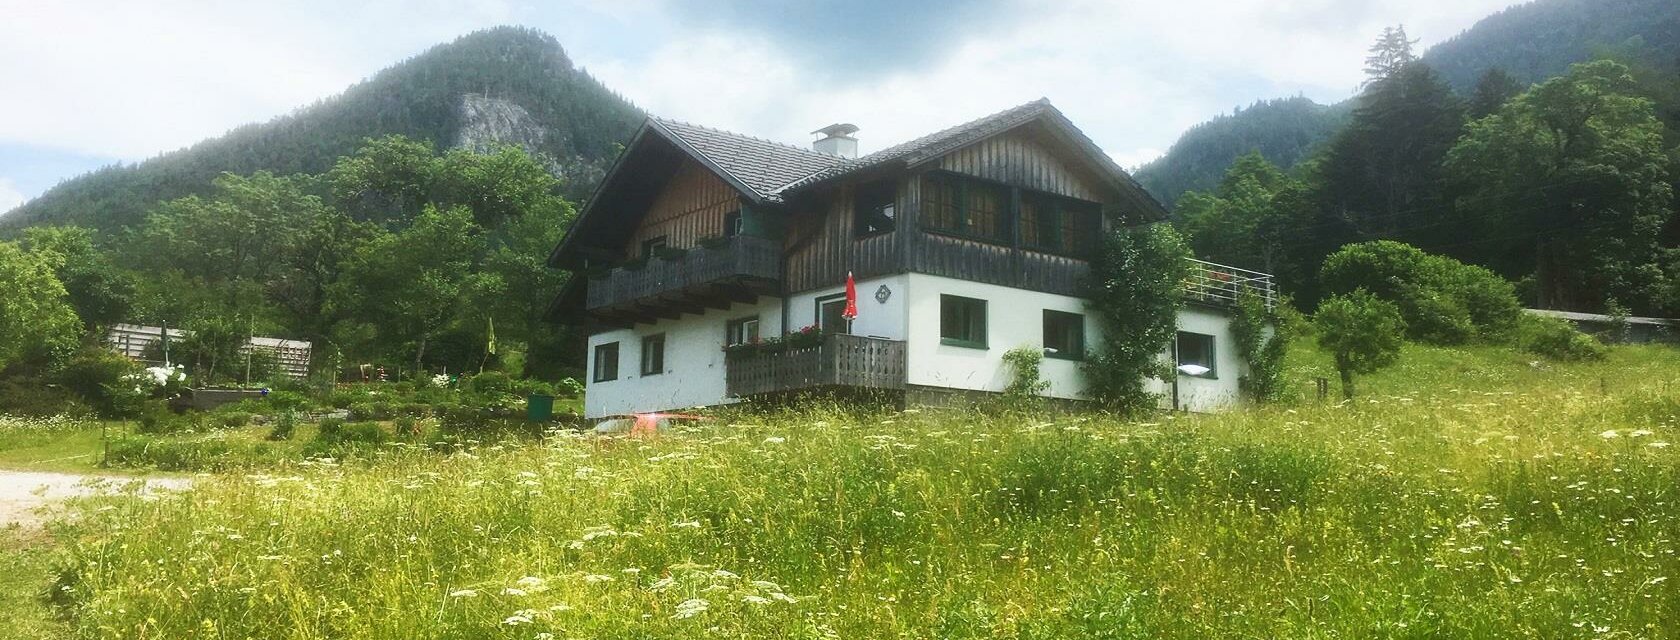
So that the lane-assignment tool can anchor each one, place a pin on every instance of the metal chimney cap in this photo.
(838, 130)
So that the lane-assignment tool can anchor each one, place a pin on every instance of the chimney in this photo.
(837, 140)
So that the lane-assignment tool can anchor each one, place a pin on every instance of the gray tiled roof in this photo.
(933, 144)
(761, 165)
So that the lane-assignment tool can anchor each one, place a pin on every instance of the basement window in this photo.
(962, 322)
(875, 207)
(732, 224)
(653, 354)
(606, 362)
(1196, 355)
(650, 245)
(1064, 335)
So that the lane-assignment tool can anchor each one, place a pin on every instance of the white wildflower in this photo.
(1609, 434)
(522, 616)
(515, 592)
(463, 593)
(751, 599)
(595, 578)
(691, 607)
(774, 440)
(1639, 433)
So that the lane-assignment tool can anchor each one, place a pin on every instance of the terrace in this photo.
(1221, 285)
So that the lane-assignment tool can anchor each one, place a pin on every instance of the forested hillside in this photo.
(1282, 130)
(505, 85)
(1530, 42)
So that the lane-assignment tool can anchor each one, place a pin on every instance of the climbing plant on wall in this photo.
(1136, 294)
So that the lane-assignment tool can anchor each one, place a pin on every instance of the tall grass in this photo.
(1471, 494)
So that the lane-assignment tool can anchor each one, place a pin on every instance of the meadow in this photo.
(1467, 493)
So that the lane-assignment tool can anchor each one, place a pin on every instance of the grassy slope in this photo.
(1468, 494)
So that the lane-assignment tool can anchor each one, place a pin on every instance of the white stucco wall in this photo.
(694, 368)
(1210, 393)
(877, 319)
(1015, 317)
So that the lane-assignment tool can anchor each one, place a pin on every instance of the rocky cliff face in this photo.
(488, 122)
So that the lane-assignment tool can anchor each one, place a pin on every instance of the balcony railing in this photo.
(1221, 285)
(740, 269)
(839, 361)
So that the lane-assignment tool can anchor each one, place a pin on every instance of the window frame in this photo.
(653, 339)
(1212, 355)
(874, 188)
(651, 245)
(983, 327)
(1010, 226)
(733, 224)
(1064, 354)
(595, 365)
(817, 320)
(729, 331)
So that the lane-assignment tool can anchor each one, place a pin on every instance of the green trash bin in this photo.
(539, 407)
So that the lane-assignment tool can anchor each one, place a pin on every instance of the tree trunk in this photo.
(1346, 370)
(419, 353)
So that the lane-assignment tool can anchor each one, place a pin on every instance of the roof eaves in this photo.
(589, 205)
(755, 195)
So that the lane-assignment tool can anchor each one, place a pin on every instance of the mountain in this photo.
(507, 85)
(1283, 130)
(1532, 42)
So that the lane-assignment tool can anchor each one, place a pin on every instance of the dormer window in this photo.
(875, 207)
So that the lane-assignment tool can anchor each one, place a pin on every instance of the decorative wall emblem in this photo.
(882, 294)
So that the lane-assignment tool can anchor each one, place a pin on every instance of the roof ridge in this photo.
(727, 132)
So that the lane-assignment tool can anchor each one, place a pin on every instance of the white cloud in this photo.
(10, 197)
(1133, 74)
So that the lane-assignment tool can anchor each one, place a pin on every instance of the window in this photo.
(1056, 224)
(964, 206)
(829, 313)
(732, 224)
(606, 362)
(875, 207)
(653, 354)
(651, 245)
(1195, 355)
(1064, 335)
(962, 322)
(741, 331)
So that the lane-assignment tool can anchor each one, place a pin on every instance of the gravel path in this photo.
(24, 493)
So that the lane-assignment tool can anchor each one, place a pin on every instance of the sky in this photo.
(88, 84)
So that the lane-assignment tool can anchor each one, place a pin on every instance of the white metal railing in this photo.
(1213, 283)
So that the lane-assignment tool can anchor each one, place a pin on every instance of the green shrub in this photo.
(196, 454)
(157, 420)
(285, 425)
(490, 382)
(233, 419)
(23, 396)
(408, 427)
(98, 375)
(1556, 339)
(1361, 332)
(370, 411)
(287, 401)
(1442, 300)
(413, 410)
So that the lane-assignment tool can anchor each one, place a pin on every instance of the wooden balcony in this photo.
(841, 361)
(739, 270)
(1220, 285)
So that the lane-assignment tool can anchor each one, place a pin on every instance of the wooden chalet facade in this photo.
(704, 253)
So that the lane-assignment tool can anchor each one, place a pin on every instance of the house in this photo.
(700, 245)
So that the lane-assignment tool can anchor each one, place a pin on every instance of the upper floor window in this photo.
(651, 245)
(875, 207)
(732, 224)
(606, 362)
(966, 206)
(1057, 224)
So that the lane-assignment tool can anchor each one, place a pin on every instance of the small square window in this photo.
(1196, 355)
(875, 207)
(1064, 335)
(732, 224)
(651, 245)
(653, 354)
(831, 314)
(962, 321)
(741, 331)
(606, 362)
